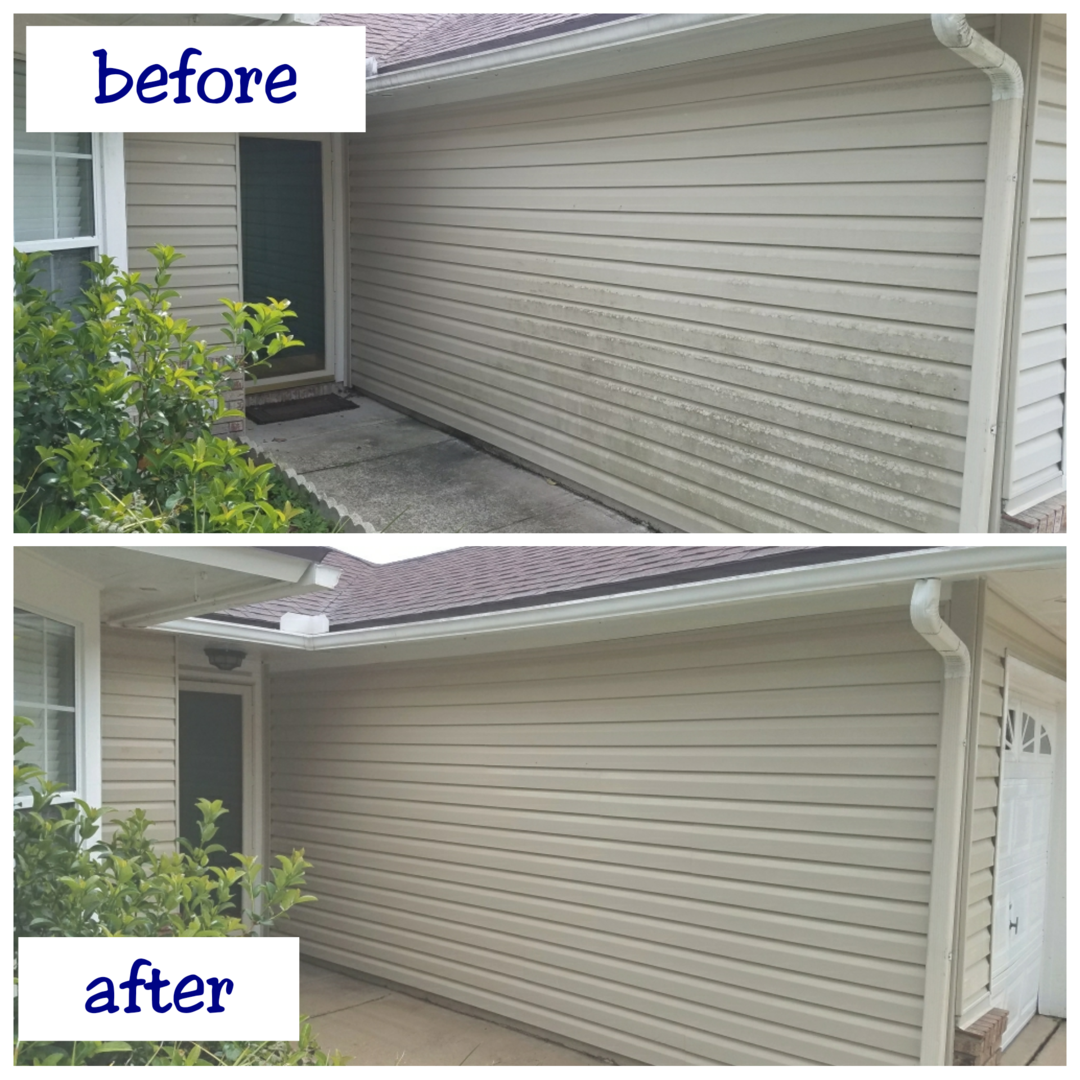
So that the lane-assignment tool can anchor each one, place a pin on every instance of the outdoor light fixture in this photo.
(225, 659)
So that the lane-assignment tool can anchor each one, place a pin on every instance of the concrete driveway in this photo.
(373, 1025)
(402, 475)
(1042, 1042)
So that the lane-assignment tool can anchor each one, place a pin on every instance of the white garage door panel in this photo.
(669, 889)
(1027, 780)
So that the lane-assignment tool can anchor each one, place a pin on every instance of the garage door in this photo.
(1023, 840)
(712, 847)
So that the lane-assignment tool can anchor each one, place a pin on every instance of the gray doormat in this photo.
(297, 410)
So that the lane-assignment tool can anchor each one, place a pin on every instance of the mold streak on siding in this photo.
(1005, 628)
(138, 727)
(1038, 465)
(732, 296)
(183, 190)
(701, 847)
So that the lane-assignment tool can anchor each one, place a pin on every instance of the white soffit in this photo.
(142, 586)
(1038, 593)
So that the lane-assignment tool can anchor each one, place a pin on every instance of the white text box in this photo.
(159, 988)
(197, 78)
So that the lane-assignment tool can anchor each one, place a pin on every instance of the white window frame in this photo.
(110, 203)
(46, 589)
(67, 796)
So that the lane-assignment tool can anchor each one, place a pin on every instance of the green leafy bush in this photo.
(69, 884)
(114, 404)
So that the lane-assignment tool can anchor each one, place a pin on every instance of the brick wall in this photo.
(233, 426)
(980, 1044)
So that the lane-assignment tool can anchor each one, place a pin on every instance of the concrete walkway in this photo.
(403, 476)
(1042, 1042)
(373, 1025)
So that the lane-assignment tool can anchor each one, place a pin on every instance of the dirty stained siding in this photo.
(1038, 459)
(1004, 627)
(701, 847)
(734, 295)
(139, 728)
(183, 191)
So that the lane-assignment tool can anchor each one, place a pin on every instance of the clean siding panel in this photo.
(182, 190)
(734, 299)
(139, 728)
(702, 847)
(1037, 468)
(1005, 628)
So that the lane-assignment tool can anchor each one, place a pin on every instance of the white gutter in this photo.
(645, 608)
(988, 348)
(948, 817)
(587, 39)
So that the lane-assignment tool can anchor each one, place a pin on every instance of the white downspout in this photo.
(988, 348)
(948, 817)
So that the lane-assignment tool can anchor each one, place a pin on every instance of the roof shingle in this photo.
(474, 579)
(406, 40)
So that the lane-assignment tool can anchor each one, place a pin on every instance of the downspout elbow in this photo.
(954, 32)
(927, 620)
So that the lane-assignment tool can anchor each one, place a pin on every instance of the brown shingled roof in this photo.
(469, 580)
(407, 40)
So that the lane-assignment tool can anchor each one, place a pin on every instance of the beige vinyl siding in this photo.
(183, 190)
(701, 847)
(139, 727)
(734, 295)
(1005, 627)
(1038, 458)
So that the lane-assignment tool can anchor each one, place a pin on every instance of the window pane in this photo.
(54, 195)
(29, 659)
(24, 141)
(74, 197)
(63, 273)
(1029, 734)
(59, 664)
(34, 753)
(33, 198)
(72, 142)
(60, 765)
(45, 693)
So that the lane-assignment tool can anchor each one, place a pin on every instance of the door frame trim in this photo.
(251, 756)
(335, 250)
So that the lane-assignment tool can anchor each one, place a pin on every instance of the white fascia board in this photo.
(615, 48)
(650, 611)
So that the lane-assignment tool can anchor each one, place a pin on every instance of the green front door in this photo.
(281, 227)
